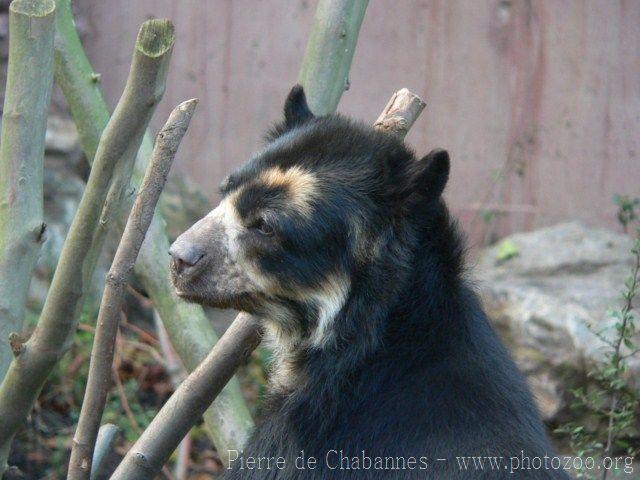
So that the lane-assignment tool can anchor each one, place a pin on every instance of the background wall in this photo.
(538, 101)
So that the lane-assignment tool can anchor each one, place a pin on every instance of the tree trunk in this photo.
(24, 122)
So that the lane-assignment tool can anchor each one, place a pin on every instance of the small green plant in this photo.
(490, 219)
(507, 250)
(613, 402)
(626, 210)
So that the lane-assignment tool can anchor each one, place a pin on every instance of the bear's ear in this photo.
(431, 174)
(296, 110)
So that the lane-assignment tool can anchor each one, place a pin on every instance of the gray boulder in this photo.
(542, 289)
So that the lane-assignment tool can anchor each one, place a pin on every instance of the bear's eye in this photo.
(263, 227)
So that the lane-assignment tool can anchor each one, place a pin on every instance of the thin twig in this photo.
(118, 277)
(174, 367)
(617, 358)
(177, 374)
(144, 335)
(148, 349)
(123, 399)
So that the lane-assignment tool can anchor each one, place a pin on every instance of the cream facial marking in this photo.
(227, 218)
(283, 343)
(301, 185)
(329, 300)
(226, 215)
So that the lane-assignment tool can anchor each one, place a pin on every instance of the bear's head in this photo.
(301, 221)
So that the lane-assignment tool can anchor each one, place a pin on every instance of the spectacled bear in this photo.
(385, 365)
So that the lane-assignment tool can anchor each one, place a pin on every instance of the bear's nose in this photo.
(184, 255)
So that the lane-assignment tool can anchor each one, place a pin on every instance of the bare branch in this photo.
(189, 401)
(107, 436)
(117, 279)
(118, 145)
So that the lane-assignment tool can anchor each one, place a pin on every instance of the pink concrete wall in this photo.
(538, 101)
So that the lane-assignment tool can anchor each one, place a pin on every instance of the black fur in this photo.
(296, 112)
(414, 368)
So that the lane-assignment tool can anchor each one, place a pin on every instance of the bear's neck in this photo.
(392, 301)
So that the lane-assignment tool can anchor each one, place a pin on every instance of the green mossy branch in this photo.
(327, 59)
(27, 95)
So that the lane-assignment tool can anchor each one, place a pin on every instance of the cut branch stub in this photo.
(401, 111)
(17, 345)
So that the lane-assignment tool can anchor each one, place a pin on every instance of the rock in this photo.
(61, 136)
(544, 292)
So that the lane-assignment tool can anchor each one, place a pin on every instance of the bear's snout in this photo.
(184, 255)
(203, 268)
